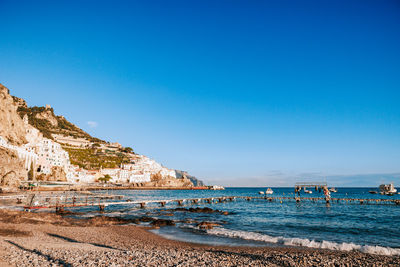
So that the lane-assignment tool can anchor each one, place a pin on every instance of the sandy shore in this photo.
(40, 239)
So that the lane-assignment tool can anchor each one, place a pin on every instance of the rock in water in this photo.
(207, 225)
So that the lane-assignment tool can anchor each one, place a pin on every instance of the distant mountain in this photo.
(194, 180)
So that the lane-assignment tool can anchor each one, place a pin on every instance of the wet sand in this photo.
(48, 239)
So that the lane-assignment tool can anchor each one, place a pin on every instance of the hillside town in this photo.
(36, 146)
(41, 156)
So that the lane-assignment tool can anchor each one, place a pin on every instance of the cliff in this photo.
(12, 170)
(12, 127)
(193, 179)
(160, 181)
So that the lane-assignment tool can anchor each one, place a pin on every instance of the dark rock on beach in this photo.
(162, 222)
(146, 219)
(201, 210)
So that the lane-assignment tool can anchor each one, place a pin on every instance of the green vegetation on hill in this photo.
(46, 127)
(105, 178)
(93, 159)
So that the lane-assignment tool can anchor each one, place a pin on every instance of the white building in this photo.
(50, 154)
(124, 175)
(44, 154)
(112, 172)
(72, 141)
(24, 153)
(150, 166)
(82, 176)
(139, 178)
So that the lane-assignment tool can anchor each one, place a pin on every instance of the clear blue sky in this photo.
(235, 92)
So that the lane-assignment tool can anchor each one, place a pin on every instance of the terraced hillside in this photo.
(93, 159)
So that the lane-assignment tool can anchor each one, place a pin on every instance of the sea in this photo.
(369, 228)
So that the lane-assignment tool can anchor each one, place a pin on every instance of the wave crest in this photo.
(303, 242)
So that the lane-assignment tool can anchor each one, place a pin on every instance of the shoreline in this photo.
(42, 239)
(96, 188)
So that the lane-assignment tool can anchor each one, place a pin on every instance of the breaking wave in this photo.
(303, 242)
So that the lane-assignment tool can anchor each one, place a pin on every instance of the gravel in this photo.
(47, 244)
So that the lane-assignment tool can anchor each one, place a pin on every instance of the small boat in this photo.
(217, 187)
(373, 192)
(261, 192)
(333, 190)
(307, 191)
(269, 191)
(387, 189)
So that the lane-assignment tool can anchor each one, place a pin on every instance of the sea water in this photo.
(371, 228)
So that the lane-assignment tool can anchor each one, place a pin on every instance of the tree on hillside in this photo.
(95, 145)
(105, 179)
(156, 177)
(127, 150)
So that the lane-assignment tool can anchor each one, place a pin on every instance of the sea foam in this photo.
(303, 242)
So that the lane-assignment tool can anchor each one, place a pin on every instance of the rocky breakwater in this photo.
(201, 210)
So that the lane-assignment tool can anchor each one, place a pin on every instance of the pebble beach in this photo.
(46, 239)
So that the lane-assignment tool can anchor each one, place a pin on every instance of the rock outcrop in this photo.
(194, 180)
(12, 170)
(57, 174)
(12, 126)
(13, 129)
(49, 116)
(158, 180)
(49, 124)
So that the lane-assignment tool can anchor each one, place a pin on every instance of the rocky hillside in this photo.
(53, 126)
(194, 180)
(12, 170)
(44, 119)
(20, 123)
(159, 181)
(11, 125)
(13, 129)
